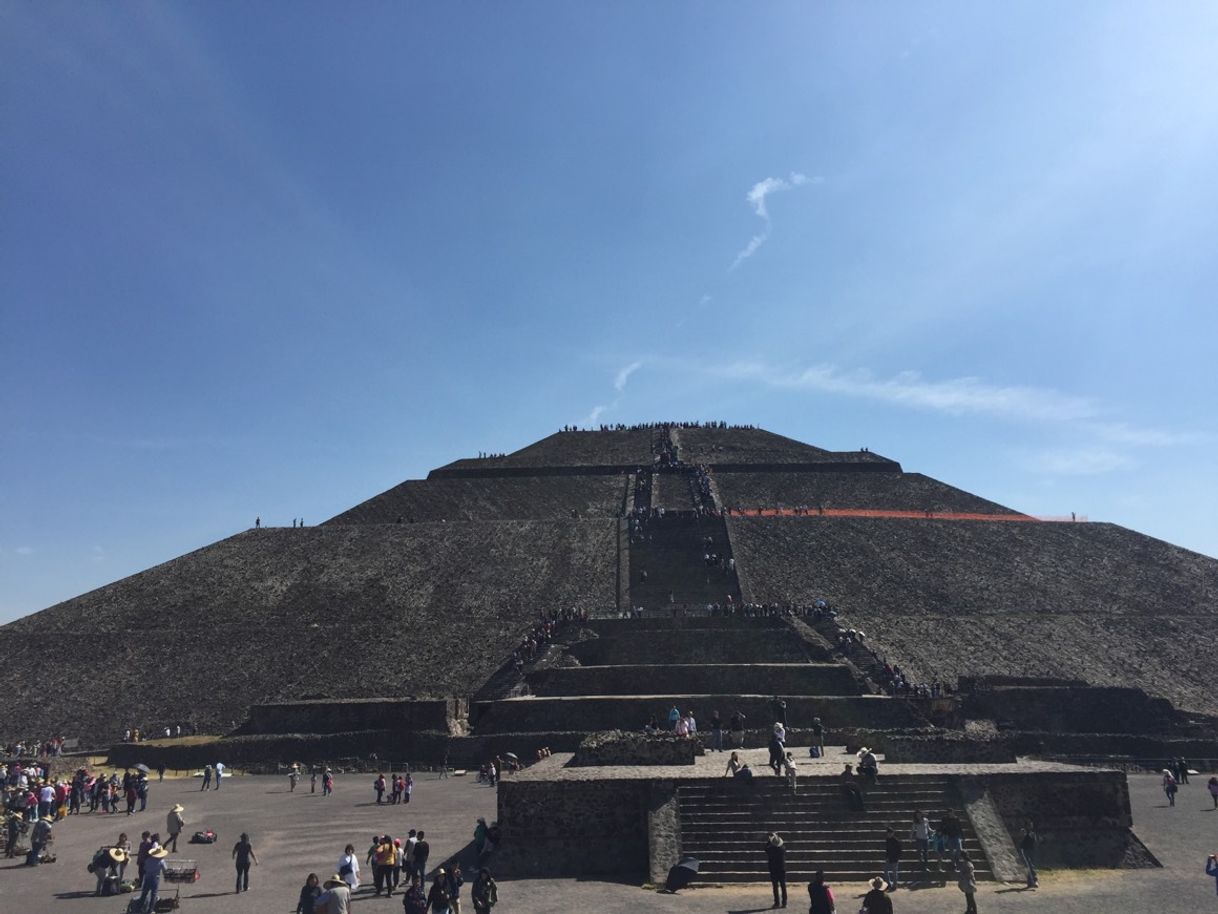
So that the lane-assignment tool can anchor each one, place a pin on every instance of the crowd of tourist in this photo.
(653, 426)
(39, 748)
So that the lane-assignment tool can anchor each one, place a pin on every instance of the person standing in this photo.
(1028, 842)
(219, 773)
(243, 853)
(818, 734)
(485, 893)
(292, 776)
(735, 730)
(920, 833)
(408, 787)
(150, 884)
(952, 834)
(892, 859)
(312, 780)
(438, 899)
(716, 729)
(379, 786)
(206, 777)
(1211, 868)
(327, 782)
(967, 881)
(455, 881)
(1212, 786)
(421, 851)
(40, 837)
(776, 860)
(876, 901)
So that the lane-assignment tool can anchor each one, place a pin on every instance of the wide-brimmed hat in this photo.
(178, 807)
(158, 852)
(879, 883)
(775, 840)
(334, 880)
(118, 855)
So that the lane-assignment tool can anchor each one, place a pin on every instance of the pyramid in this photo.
(425, 589)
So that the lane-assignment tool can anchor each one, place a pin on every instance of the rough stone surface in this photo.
(617, 747)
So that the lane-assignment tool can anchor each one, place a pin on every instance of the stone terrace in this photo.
(891, 491)
(356, 611)
(508, 498)
(1080, 601)
(756, 446)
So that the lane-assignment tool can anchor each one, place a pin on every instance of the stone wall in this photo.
(335, 716)
(574, 828)
(691, 646)
(710, 679)
(1083, 817)
(1108, 709)
(626, 713)
(946, 747)
(617, 747)
(265, 752)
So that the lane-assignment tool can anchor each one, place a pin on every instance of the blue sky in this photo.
(270, 259)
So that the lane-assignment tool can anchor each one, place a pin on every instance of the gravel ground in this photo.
(296, 834)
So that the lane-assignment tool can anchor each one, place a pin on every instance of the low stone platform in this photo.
(631, 820)
(784, 679)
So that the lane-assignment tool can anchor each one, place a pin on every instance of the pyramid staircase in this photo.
(724, 824)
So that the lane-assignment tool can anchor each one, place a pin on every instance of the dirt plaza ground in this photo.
(294, 834)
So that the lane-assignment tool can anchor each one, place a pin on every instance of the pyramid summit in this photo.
(428, 588)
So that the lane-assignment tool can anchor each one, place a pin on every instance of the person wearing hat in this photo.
(439, 901)
(105, 867)
(776, 860)
(40, 837)
(485, 893)
(173, 825)
(150, 889)
(336, 899)
(876, 901)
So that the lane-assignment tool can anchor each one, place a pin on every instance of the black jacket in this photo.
(776, 857)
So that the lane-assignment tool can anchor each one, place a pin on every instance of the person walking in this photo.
(820, 896)
(716, 729)
(892, 859)
(309, 893)
(174, 824)
(967, 881)
(1212, 786)
(243, 853)
(1170, 786)
(415, 899)
(485, 893)
(421, 851)
(1028, 842)
(1211, 867)
(336, 899)
(327, 782)
(438, 899)
(952, 835)
(348, 867)
(735, 729)
(455, 881)
(776, 860)
(876, 901)
(921, 833)
(206, 777)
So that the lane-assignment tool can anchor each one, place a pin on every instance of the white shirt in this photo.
(219, 769)
(352, 878)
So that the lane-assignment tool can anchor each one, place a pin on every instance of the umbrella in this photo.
(682, 874)
(141, 767)
(512, 755)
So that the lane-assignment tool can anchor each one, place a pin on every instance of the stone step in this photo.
(612, 712)
(637, 679)
(696, 646)
(798, 875)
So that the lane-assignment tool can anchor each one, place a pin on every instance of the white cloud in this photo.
(594, 415)
(619, 382)
(1080, 462)
(955, 396)
(1123, 433)
(756, 198)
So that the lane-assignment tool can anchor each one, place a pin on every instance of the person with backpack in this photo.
(485, 893)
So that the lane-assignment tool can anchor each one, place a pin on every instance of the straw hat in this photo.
(178, 807)
(118, 855)
(158, 853)
(879, 883)
(334, 880)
